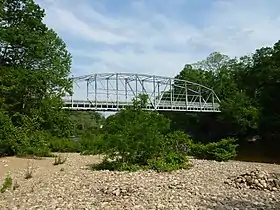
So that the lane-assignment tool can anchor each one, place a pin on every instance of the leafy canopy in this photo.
(135, 135)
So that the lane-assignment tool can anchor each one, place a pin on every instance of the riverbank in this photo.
(73, 186)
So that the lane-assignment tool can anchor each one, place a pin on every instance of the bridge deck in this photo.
(160, 106)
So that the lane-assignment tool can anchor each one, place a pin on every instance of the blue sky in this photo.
(159, 36)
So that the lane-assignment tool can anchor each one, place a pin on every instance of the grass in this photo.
(59, 160)
(8, 182)
(28, 172)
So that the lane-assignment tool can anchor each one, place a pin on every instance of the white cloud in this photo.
(145, 41)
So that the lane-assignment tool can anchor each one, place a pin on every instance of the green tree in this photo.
(34, 69)
(34, 60)
(86, 123)
(239, 114)
(262, 82)
(212, 63)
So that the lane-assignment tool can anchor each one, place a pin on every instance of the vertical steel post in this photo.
(187, 100)
(213, 100)
(158, 90)
(136, 86)
(171, 91)
(125, 89)
(107, 88)
(117, 89)
(72, 92)
(87, 88)
(200, 98)
(154, 84)
(95, 90)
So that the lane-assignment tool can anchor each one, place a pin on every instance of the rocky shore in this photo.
(207, 185)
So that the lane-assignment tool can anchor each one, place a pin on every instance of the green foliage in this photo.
(134, 135)
(248, 88)
(24, 139)
(117, 166)
(36, 144)
(86, 145)
(169, 162)
(34, 65)
(179, 141)
(34, 59)
(165, 163)
(86, 123)
(6, 131)
(34, 70)
(91, 144)
(222, 150)
(134, 138)
(7, 184)
(64, 145)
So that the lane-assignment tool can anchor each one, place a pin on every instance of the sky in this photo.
(159, 36)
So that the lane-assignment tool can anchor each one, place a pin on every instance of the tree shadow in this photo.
(231, 203)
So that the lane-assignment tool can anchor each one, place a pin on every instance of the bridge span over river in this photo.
(115, 91)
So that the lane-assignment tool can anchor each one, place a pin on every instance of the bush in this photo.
(222, 150)
(64, 145)
(169, 162)
(91, 144)
(134, 138)
(165, 163)
(36, 144)
(86, 145)
(6, 131)
(22, 140)
(134, 135)
(179, 141)
(117, 166)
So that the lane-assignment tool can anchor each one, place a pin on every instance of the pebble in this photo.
(201, 187)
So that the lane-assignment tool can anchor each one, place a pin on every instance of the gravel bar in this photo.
(73, 186)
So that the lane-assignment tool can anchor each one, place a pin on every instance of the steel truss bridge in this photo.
(115, 91)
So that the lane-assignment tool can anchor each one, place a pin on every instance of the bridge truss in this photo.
(115, 91)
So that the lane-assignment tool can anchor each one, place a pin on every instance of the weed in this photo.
(59, 160)
(8, 182)
(28, 172)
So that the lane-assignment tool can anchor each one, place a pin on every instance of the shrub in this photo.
(36, 144)
(134, 135)
(23, 139)
(169, 162)
(179, 141)
(91, 144)
(165, 163)
(64, 145)
(117, 166)
(134, 138)
(6, 131)
(222, 150)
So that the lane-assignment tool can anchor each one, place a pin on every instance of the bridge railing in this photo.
(162, 105)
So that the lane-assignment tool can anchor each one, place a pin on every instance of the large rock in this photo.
(256, 179)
